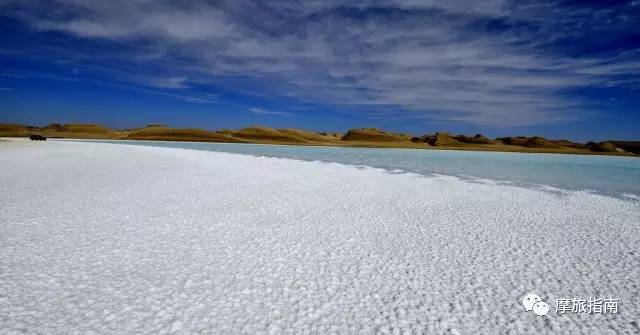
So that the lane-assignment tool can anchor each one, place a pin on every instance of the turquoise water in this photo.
(619, 176)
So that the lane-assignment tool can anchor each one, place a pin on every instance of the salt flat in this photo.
(107, 238)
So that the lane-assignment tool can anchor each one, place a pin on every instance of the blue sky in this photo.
(560, 69)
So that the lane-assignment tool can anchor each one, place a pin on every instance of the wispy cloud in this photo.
(436, 60)
(262, 111)
(13, 75)
(173, 82)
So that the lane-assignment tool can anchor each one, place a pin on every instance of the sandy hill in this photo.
(267, 134)
(444, 139)
(373, 134)
(309, 136)
(477, 139)
(540, 142)
(537, 142)
(362, 137)
(13, 130)
(81, 128)
(60, 131)
(287, 135)
(162, 133)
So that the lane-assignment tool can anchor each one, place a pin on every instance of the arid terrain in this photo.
(362, 137)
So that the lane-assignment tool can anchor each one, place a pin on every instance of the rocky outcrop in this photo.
(602, 147)
(629, 146)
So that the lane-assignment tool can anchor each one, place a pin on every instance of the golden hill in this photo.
(287, 135)
(60, 131)
(440, 139)
(374, 135)
(162, 133)
(13, 130)
(362, 137)
(82, 128)
(266, 134)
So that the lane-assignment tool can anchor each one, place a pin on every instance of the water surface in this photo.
(611, 175)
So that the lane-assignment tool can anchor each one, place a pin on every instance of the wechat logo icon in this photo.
(532, 302)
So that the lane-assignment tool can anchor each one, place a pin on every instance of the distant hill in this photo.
(477, 139)
(13, 130)
(357, 137)
(60, 131)
(267, 134)
(374, 135)
(309, 136)
(162, 133)
(271, 135)
(630, 146)
(539, 142)
(82, 128)
(442, 139)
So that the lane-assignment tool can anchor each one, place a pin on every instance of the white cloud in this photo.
(421, 58)
(172, 82)
(87, 28)
(262, 111)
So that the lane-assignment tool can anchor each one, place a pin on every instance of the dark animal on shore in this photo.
(37, 138)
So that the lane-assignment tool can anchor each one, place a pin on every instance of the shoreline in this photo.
(378, 145)
(499, 176)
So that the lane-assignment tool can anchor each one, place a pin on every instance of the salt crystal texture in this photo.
(117, 239)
